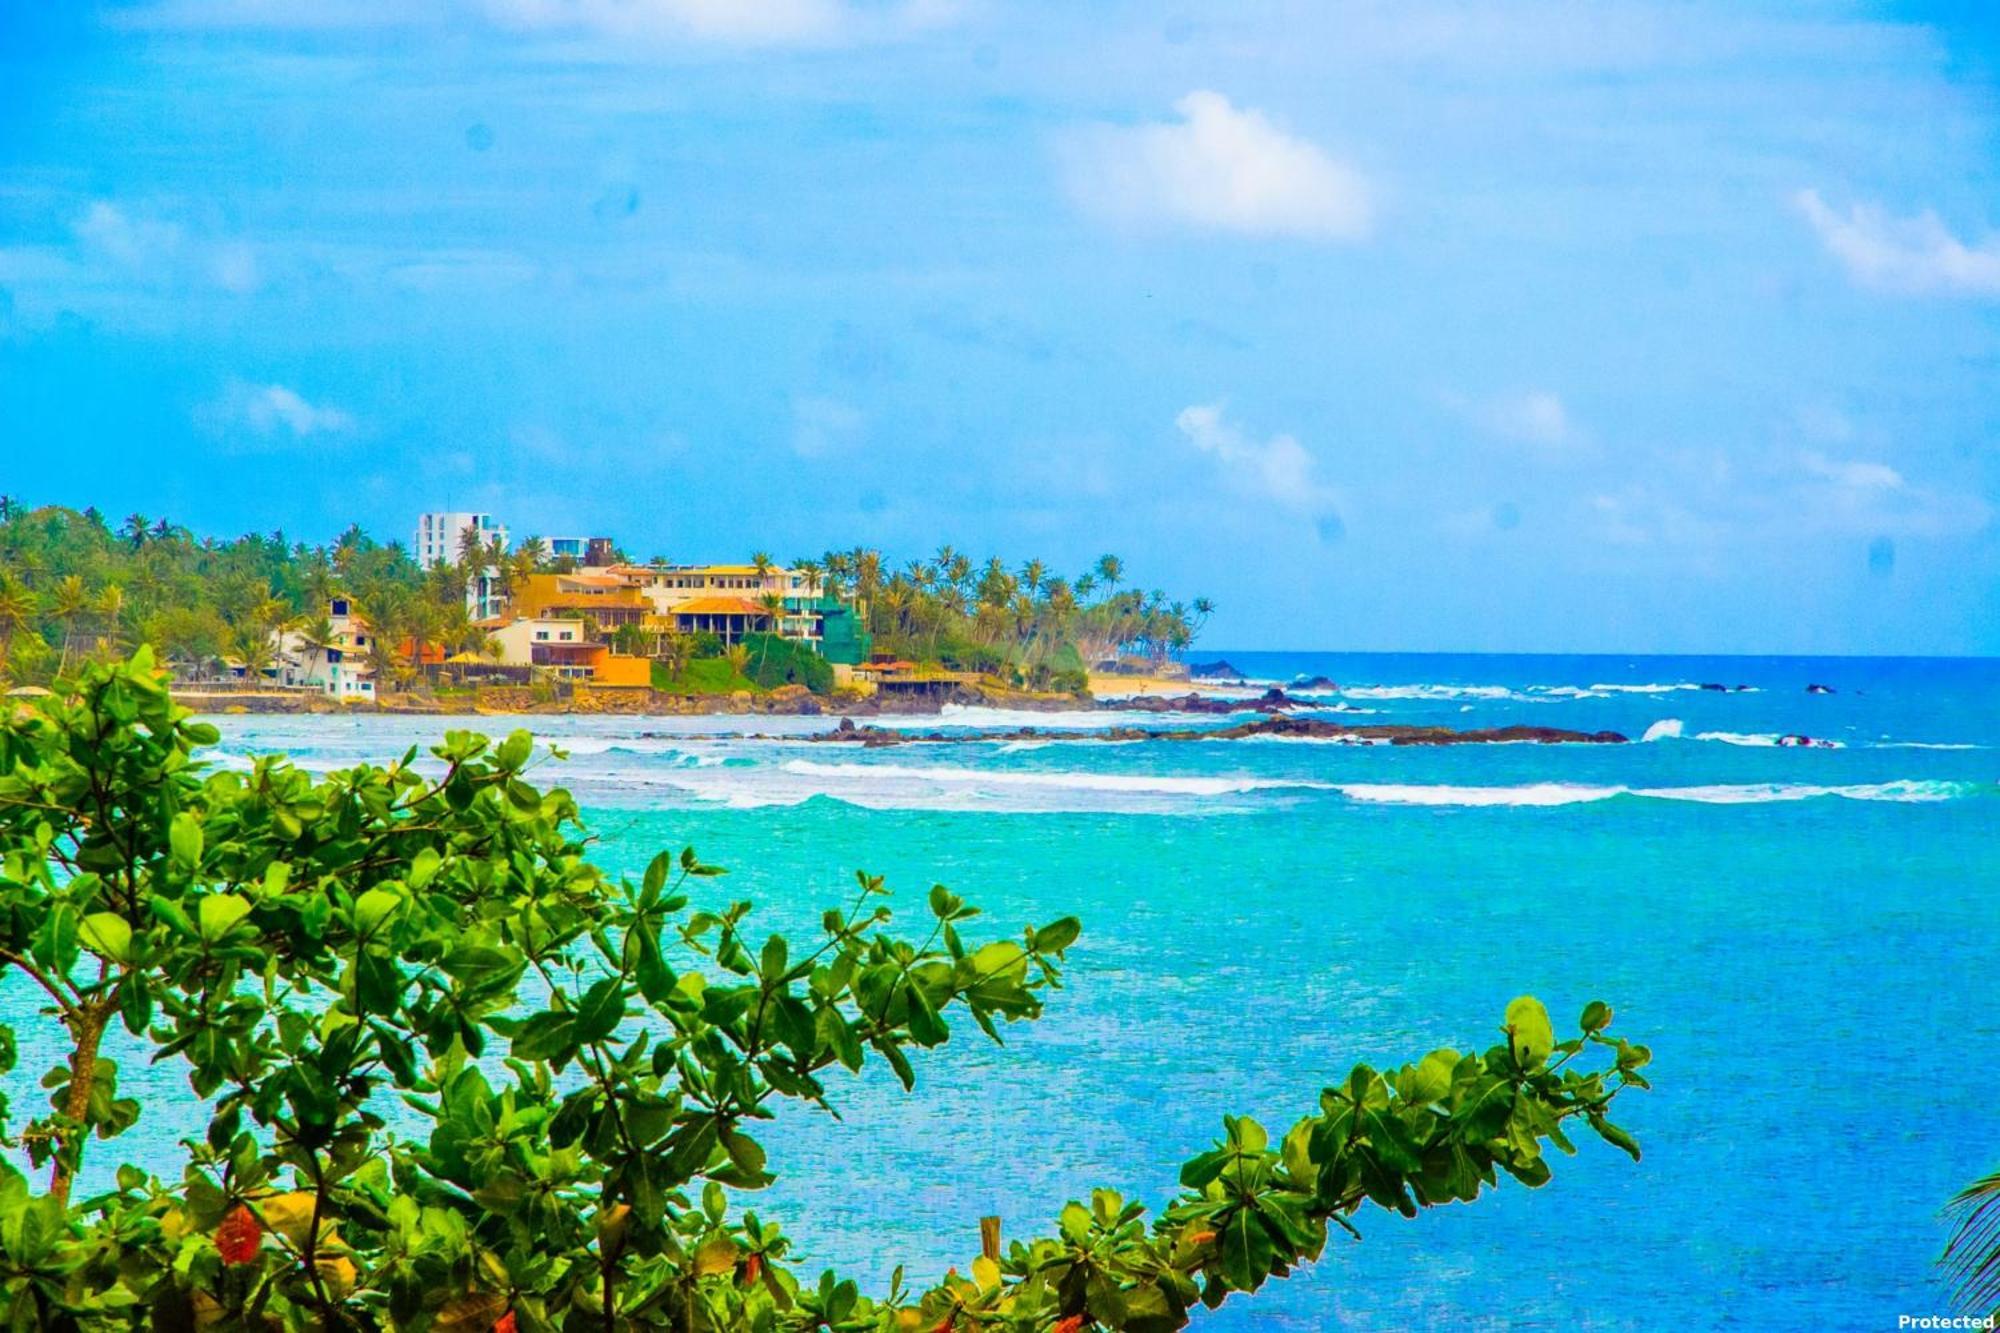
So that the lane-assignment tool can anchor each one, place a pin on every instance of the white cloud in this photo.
(739, 22)
(746, 21)
(156, 252)
(1916, 255)
(1855, 476)
(1220, 168)
(272, 410)
(1279, 471)
(1536, 417)
(823, 426)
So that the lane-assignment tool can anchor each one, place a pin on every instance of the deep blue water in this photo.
(1807, 937)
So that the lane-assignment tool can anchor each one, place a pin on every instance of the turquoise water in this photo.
(1806, 937)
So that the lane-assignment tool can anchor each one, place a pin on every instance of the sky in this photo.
(1411, 325)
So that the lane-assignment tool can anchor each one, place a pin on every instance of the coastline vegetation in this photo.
(77, 585)
(457, 1077)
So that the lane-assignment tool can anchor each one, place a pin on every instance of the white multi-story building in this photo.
(438, 536)
(437, 541)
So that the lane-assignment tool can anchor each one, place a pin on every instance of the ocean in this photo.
(1807, 937)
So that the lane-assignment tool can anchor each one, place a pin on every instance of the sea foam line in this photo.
(1563, 793)
(1155, 784)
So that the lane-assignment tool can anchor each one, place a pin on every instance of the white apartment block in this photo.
(436, 543)
(438, 535)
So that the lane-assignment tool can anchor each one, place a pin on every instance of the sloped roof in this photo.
(719, 606)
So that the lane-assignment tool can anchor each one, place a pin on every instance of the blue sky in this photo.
(1411, 325)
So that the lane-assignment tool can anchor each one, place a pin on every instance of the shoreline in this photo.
(1110, 693)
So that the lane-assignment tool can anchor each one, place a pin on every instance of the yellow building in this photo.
(608, 599)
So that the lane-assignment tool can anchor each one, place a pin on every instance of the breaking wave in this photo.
(1563, 793)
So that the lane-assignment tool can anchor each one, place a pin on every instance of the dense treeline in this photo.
(986, 616)
(76, 585)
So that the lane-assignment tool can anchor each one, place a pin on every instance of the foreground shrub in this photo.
(586, 1058)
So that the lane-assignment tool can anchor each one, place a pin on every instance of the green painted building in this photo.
(843, 637)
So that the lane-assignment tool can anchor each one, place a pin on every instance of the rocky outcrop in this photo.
(1217, 670)
(1819, 689)
(1268, 701)
(1313, 683)
(1304, 728)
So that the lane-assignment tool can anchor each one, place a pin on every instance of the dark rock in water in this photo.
(1313, 683)
(1712, 685)
(1217, 670)
(1819, 689)
(1276, 724)
(1268, 701)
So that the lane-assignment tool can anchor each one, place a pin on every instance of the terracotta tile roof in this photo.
(719, 606)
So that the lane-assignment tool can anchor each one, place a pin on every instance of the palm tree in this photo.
(110, 606)
(763, 564)
(17, 610)
(134, 530)
(8, 504)
(252, 646)
(1972, 1260)
(867, 568)
(1110, 571)
(774, 608)
(67, 603)
(315, 633)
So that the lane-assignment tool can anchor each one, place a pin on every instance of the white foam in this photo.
(1435, 692)
(1766, 740)
(1563, 793)
(1926, 745)
(1666, 729)
(1152, 783)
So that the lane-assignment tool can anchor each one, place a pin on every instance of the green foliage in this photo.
(701, 675)
(775, 661)
(590, 1059)
(1971, 1261)
(1028, 622)
(74, 587)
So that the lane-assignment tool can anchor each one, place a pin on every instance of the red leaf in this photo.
(240, 1236)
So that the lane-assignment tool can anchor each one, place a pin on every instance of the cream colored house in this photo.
(519, 638)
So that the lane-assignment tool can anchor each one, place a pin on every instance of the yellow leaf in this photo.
(716, 1255)
(474, 1310)
(288, 1214)
(338, 1275)
(986, 1273)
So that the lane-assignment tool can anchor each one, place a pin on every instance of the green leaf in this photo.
(926, 1028)
(218, 913)
(1058, 935)
(1596, 1016)
(374, 907)
(184, 840)
(600, 1011)
(548, 1036)
(107, 935)
(1430, 1079)
(1530, 1033)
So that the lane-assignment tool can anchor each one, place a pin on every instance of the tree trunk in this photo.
(89, 1031)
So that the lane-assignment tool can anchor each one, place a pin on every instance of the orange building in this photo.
(606, 598)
